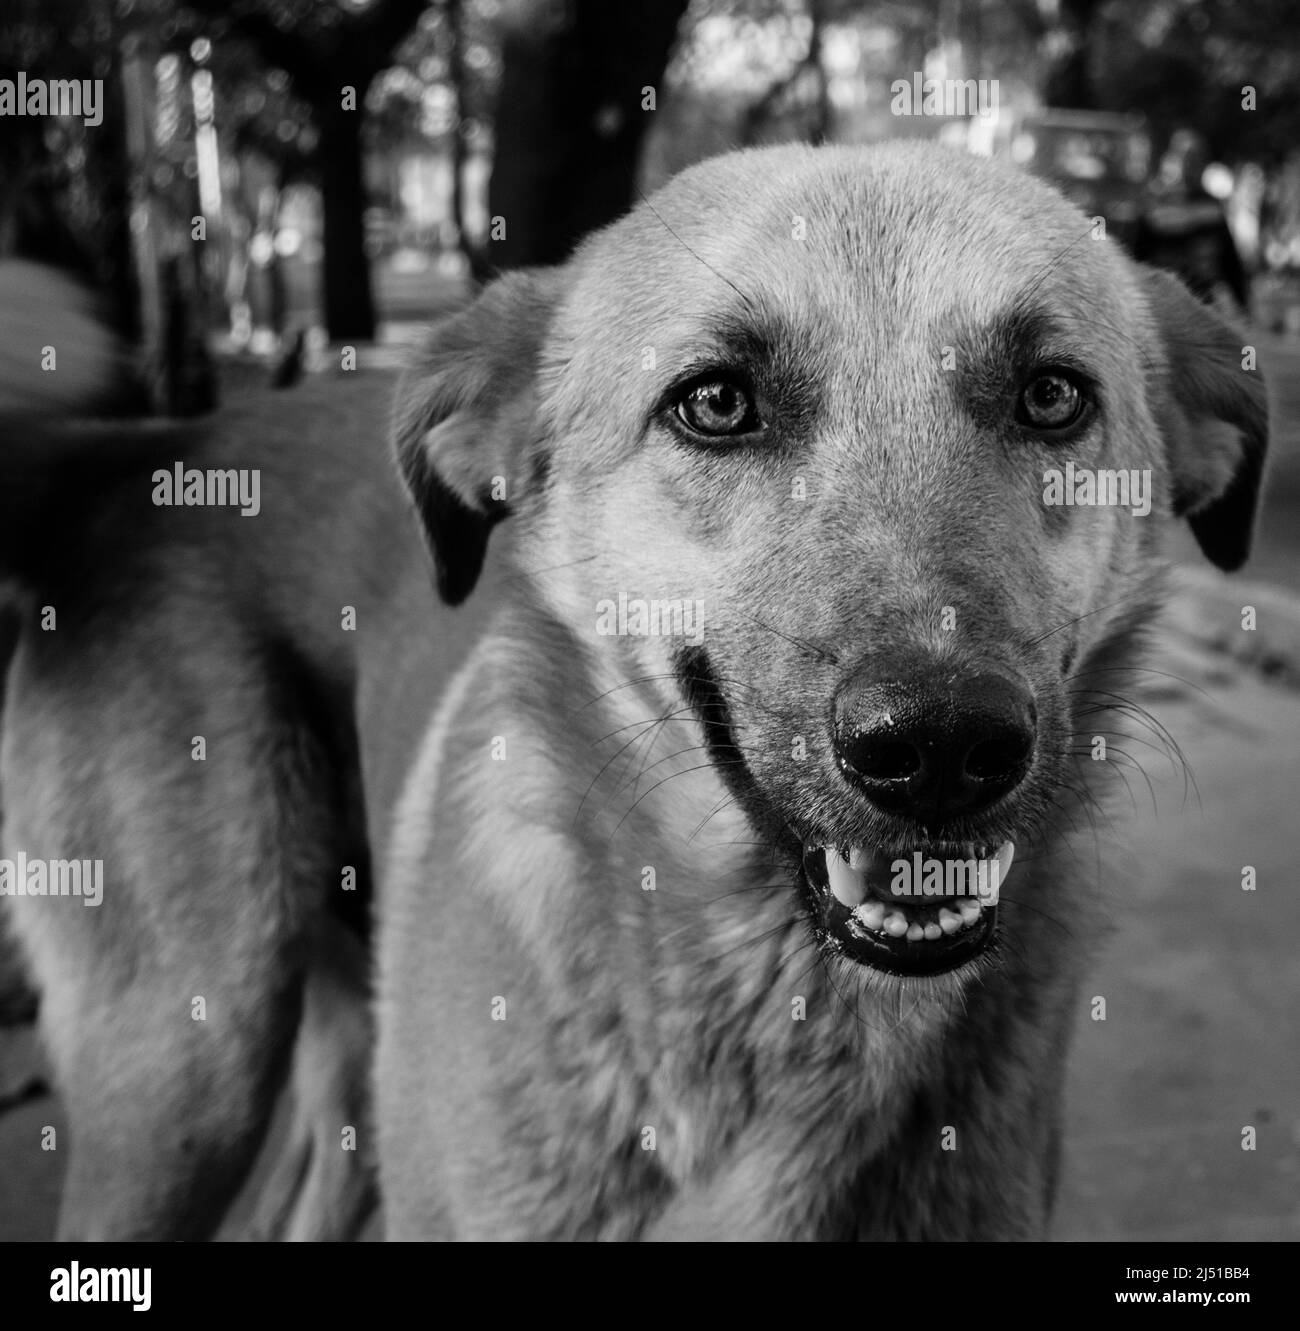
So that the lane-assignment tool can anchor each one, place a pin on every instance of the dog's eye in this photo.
(717, 407)
(1050, 402)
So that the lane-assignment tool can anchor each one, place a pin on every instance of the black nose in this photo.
(935, 743)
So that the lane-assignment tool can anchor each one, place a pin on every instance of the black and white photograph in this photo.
(649, 620)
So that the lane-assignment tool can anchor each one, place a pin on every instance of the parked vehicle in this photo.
(1099, 160)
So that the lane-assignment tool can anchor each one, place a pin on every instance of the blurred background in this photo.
(273, 176)
(275, 180)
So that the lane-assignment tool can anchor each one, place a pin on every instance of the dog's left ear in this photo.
(1214, 415)
(464, 429)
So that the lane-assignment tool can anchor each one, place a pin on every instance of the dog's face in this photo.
(783, 442)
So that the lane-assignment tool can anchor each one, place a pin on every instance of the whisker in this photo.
(1069, 623)
(745, 300)
(802, 643)
(700, 767)
(647, 728)
(667, 758)
(524, 575)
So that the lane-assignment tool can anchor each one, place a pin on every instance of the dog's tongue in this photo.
(870, 873)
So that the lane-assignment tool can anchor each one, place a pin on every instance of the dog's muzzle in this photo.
(936, 746)
(931, 750)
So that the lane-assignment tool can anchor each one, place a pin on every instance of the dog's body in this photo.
(174, 625)
(625, 988)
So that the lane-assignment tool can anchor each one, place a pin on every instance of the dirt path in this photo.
(1201, 979)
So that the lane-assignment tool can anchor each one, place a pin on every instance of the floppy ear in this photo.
(1214, 416)
(464, 432)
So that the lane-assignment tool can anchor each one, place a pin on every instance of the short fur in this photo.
(564, 1053)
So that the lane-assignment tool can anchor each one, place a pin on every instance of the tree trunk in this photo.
(480, 270)
(349, 306)
(1069, 81)
(569, 122)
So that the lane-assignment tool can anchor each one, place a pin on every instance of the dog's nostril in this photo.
(885, 760)
(932, 744)
(996, 759)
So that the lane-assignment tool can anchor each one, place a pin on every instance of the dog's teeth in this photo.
(896, 924)
(848, 885)
(871, 915)
(949, 921)
(847, 871)
(1006, 853)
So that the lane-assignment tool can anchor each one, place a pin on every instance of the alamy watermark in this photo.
(922, 877)
(75, 1283)
(1084, 487)
(919, 96)
(26, 877)
(53, 97)
(230, 487)
(637, 618)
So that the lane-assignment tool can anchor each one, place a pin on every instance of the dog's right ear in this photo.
(464, 429)
(1214, 416)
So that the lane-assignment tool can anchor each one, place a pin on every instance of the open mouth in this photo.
(917, 910)
(920, 911)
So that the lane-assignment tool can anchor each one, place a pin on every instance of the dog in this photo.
(734, 888)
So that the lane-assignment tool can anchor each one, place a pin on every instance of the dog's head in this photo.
(865, 456)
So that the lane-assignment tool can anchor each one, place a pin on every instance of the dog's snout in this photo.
(932, 745)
